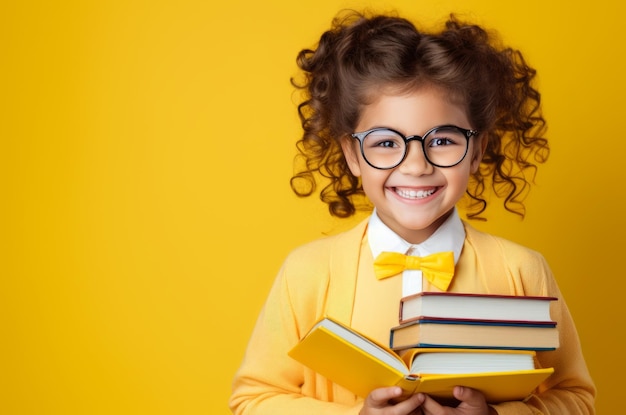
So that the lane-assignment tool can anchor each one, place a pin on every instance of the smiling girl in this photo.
(412, 121)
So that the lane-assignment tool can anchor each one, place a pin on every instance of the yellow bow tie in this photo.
(437, 268)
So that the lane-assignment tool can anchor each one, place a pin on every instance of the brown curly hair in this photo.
(363, 53)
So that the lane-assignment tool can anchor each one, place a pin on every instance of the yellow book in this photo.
(360, 364)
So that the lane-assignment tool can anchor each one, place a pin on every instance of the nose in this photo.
(415, 162)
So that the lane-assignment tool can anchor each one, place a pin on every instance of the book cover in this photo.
(475, 306)
(471, 333)
(360, 364)
(496, 386)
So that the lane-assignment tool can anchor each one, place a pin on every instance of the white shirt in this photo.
(450, 236)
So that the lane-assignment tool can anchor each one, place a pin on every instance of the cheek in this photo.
(373, 179)
(459, 178)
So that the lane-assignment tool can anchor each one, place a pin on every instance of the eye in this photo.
(440, 141)
(444, 138)
(384, 140)
(387, 143)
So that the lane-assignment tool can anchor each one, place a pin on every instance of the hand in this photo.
(389, 401)
(471, 402)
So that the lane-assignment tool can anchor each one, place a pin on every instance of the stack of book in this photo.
(485, 342)
(458, 320)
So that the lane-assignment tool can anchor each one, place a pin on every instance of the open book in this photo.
(360, 364)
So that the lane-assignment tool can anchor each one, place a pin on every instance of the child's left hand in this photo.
(472, 402)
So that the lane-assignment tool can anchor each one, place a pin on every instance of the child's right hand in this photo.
(383, 401)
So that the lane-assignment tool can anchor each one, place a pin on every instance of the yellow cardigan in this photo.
(320, 278)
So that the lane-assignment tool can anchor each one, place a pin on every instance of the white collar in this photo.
(450, 236)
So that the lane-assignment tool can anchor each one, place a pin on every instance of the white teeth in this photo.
(414, 194)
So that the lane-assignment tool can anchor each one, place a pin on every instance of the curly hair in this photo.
(360, 55)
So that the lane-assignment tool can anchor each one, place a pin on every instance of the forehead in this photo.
(412, 112)
(375, 92)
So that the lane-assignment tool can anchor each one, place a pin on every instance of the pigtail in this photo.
(320, 155)
(515, 143)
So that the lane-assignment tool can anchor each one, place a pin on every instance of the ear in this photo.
(349, 146)
(479, 151)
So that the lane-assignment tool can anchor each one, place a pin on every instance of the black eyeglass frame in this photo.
(466, 133)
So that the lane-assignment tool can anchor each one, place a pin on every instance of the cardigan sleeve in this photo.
(570, 389)
(268, 381)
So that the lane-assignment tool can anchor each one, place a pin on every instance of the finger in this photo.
(379, 398)
(431, 406)
(411, 404)
(469, 396)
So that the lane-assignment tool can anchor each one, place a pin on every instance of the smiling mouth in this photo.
(414, 194)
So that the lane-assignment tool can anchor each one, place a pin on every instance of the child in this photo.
(412, 121)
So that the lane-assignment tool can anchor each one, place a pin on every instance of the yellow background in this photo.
(145, 153)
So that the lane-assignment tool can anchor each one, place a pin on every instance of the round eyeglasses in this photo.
(444, 146)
